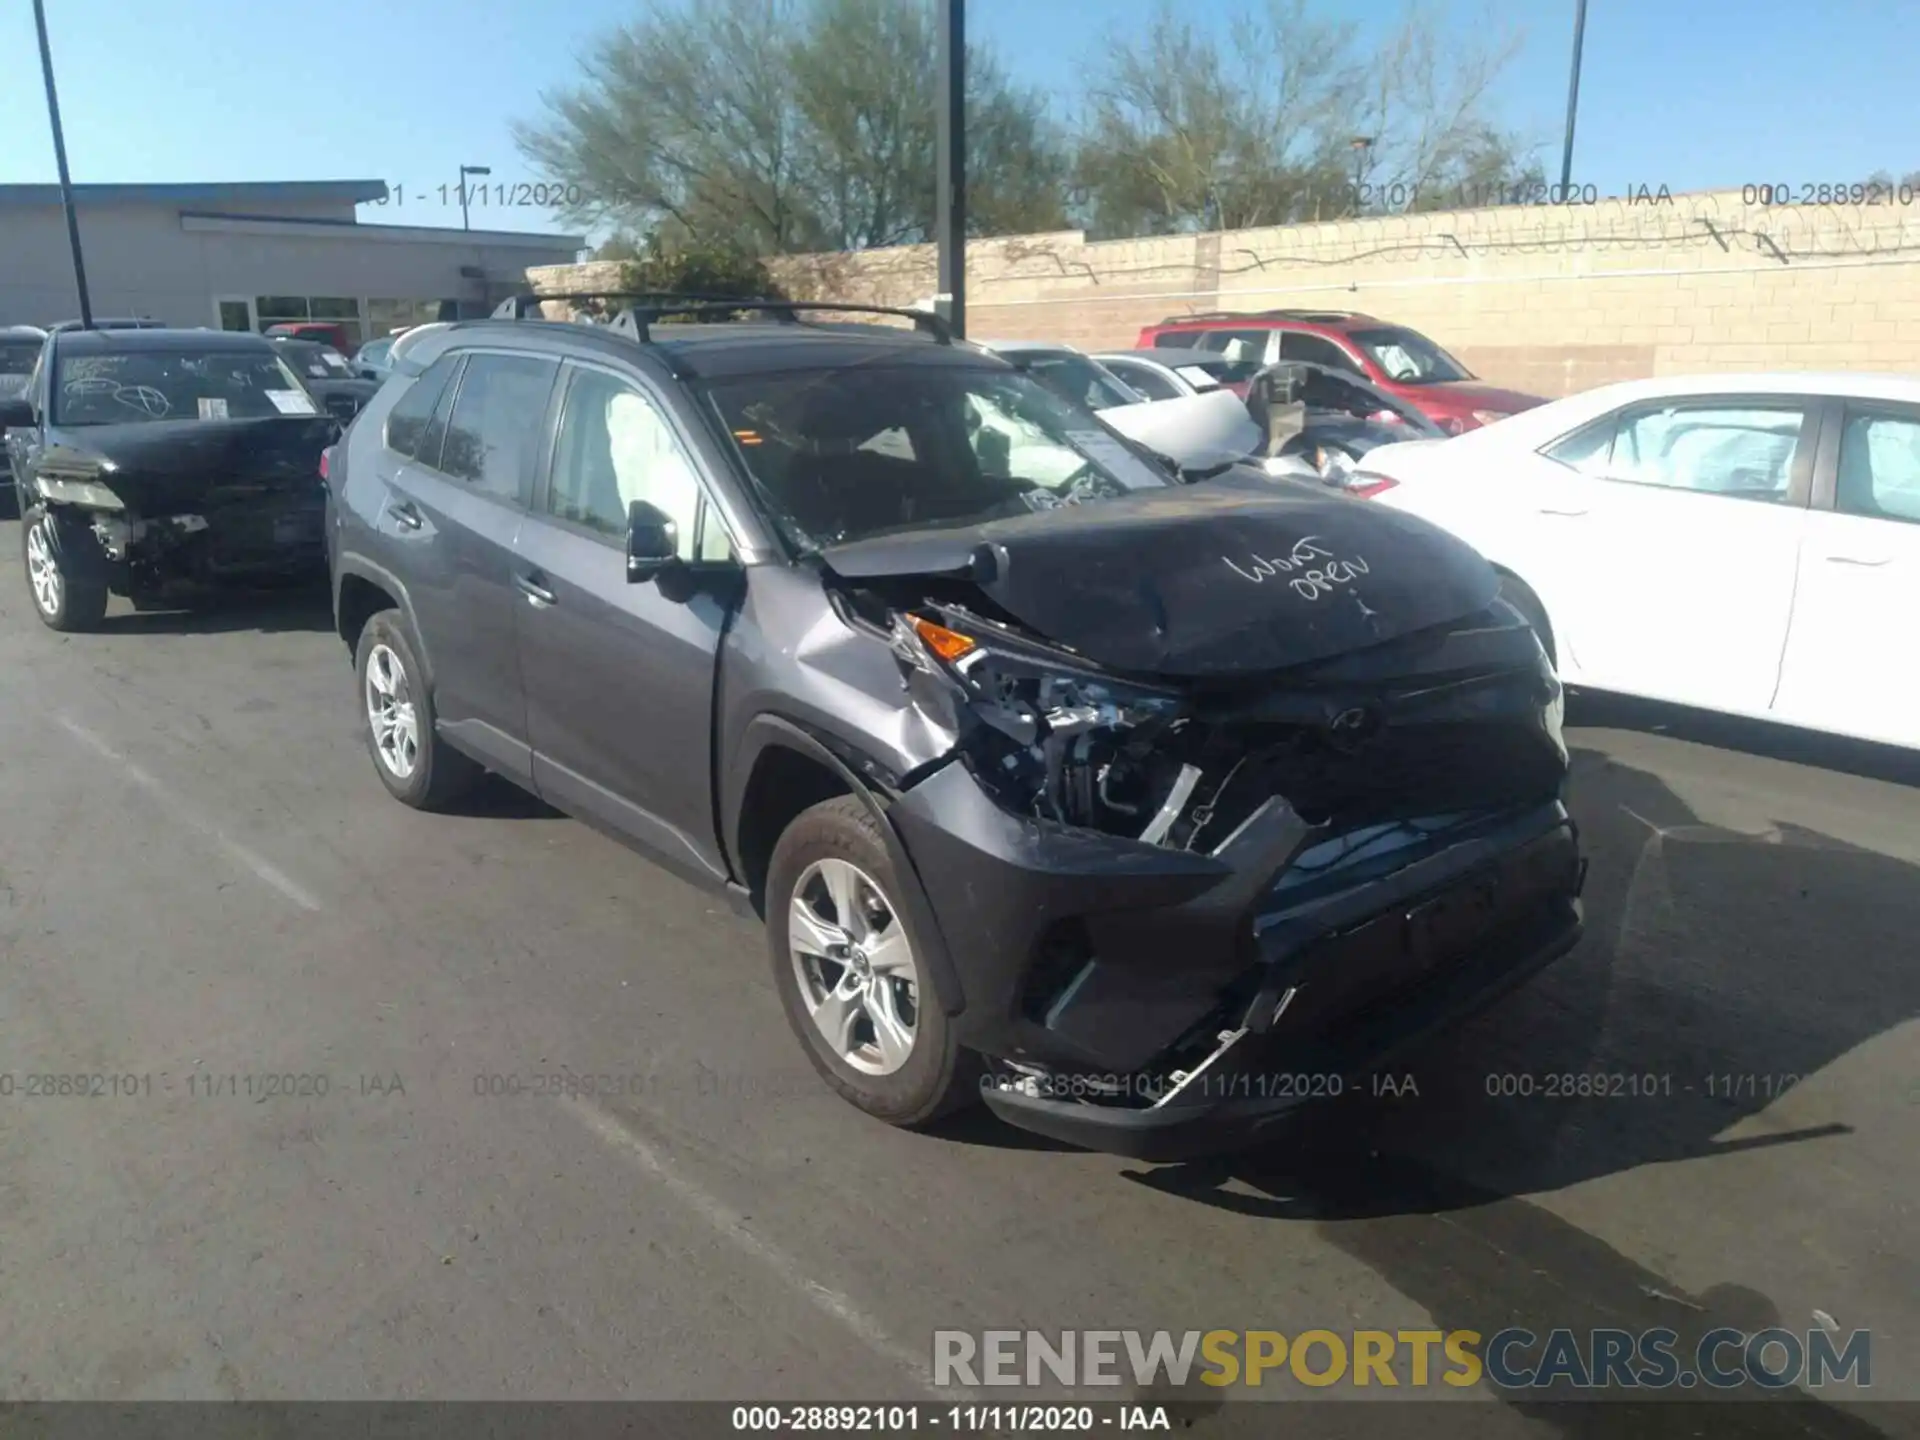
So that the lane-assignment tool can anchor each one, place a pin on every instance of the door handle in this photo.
(1869, 560)
(534, 588)
(1558, 510)
(405, 516)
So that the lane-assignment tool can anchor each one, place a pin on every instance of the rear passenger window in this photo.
(1175, 339)
(1879, 473)
(496, 417)
(408, 421)
(1588, 450)
(1237, 344)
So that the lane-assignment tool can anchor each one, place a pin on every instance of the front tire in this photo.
(66, 572)
(417, 766)
(851, 974)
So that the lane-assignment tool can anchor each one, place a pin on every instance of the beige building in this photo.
(244, 256)
(1549, 299)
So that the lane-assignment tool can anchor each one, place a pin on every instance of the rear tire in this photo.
(396, 706)
(873, 1029)
(1517, 593)
(66, 571)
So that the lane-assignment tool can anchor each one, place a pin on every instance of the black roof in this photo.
(726, 349)
(120, 342)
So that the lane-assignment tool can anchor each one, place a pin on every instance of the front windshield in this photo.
(136, 386)
(1078, 378)
(872, 449)
(1409, 358)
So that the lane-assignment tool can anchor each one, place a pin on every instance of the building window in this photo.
(386, 316)
(292, 309)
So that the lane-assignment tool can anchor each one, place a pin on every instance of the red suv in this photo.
(1400, 361)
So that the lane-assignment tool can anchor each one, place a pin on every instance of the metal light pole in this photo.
(950, 201)
(60, 156)
(465, 171)
(1362, 148)
(1573, 95)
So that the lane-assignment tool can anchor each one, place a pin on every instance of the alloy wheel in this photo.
(854, 966)
(43, 568)
(391, 713)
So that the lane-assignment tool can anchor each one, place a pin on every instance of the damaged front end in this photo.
(195, 503)
(1191, 902)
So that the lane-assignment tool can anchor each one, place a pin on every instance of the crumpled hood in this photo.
(1241, 575)
(1197, 432)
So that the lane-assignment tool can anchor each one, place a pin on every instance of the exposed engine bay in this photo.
(1183, 765)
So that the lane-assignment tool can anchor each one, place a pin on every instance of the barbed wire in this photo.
(1767, 237)
(1771, 236)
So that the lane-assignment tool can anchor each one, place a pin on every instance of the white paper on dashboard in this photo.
(1108, 452)
(291, 402)
(1197, 375)
(213, 409)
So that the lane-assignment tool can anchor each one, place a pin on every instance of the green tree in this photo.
(774, 126)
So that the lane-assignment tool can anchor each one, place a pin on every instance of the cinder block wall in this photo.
(1549, 299)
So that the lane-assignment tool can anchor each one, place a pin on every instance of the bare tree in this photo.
(1184, 132)
(1434, 147)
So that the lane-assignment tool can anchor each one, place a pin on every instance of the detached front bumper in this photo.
(1158, 1003)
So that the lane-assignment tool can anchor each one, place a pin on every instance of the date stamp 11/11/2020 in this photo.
(502, 195)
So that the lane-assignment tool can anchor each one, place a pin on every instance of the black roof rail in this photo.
(636, 321)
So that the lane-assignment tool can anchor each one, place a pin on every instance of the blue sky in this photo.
(1688, 93)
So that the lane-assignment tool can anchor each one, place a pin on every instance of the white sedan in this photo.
(1741, 543)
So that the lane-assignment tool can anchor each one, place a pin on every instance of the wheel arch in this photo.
(781, 769)
(362, 590)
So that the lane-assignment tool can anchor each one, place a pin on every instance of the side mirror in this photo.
(653, 541)
(17, 414)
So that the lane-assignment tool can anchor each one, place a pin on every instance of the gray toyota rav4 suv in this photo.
(1143, 810)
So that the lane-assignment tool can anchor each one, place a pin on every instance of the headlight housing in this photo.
(1049, 734)
(77, 490)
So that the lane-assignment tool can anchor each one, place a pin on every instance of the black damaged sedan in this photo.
(146, 458)
(1123, 804)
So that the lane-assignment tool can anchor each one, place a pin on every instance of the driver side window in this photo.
(615, 447)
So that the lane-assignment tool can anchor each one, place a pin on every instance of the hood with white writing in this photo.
(1243, 575)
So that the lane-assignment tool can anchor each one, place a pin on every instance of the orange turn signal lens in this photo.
(949, 645)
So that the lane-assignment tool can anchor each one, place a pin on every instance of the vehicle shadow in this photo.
(497, 798)
(1716, 967)
(305, 608)
(1763, 738)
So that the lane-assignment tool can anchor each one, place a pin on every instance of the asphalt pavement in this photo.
(309, 1178)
